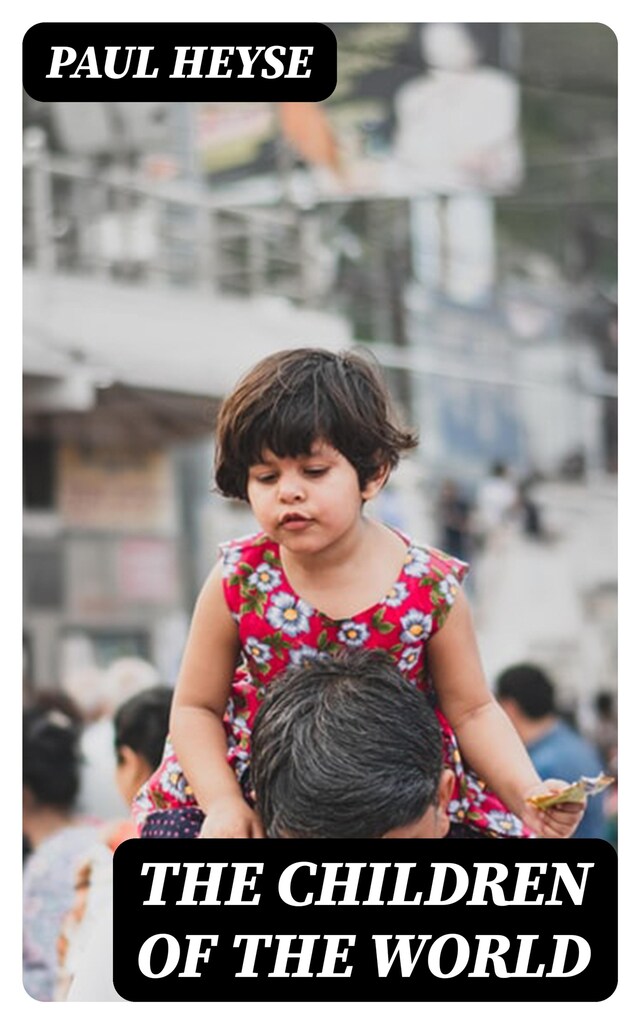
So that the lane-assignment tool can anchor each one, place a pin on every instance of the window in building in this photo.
(38, 473)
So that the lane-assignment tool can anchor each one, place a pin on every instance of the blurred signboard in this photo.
(116, 490)
(147, 571)
(419, 109)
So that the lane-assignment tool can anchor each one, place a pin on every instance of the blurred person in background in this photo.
(454, 517)
(604, 731)
(51, 700)
(529, 512)
(528, 696)
(140, 726)
(496, 504)
(100, 693)
(57, 836)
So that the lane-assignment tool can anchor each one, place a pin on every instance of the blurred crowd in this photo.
(83, 761)
(475, 521)
(85, 758)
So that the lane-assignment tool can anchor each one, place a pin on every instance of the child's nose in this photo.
(291, 488)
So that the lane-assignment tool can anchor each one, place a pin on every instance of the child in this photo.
(307, 438)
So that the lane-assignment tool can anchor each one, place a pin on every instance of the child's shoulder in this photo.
(428, 559)
(248, 548)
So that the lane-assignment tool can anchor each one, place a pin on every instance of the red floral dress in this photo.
(277, 628)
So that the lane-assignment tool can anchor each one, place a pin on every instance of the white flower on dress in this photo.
(457, 809)
(416, 562)
(416, 626)
(502, 821)
(230, 559)
(288, 613)
(353, 634)
(265, 578)
(304, 653)
(448, 587)
(396, 595)
(409, 659)
(259, 651)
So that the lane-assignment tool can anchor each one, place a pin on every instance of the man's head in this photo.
(527, 695)
(347, 749)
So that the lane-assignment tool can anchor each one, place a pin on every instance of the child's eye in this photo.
(316, 470)
(266, 478)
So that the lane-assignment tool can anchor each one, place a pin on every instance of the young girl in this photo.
(307, 438)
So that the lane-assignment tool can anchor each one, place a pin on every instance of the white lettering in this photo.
(159, 875)
(273, 61)
(584, 956)
(212, 885)
(88, 63)
(402, 951)
(58, 61)
(182, 60)
(297, 60)
(250, 953)
(284, 883)
(173, 955)
(483, 882)
(247, 60)
(195, 953)
(241, 882)
(575, 890)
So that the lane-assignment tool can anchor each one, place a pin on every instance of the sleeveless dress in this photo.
(277, 628)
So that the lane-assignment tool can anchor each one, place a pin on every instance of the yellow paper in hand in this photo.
(575, 793)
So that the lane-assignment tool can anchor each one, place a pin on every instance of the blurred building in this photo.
(137, 320)
(169, 246)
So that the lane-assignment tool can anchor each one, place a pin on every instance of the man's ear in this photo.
(445, 789)
(376, 483)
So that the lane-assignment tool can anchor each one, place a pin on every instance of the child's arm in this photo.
(487, 739)
(199, 703)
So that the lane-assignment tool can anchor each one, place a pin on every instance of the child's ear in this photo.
(376, 483)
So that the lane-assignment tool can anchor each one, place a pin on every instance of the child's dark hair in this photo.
(51, 757)
(142, 723)
(295, 397)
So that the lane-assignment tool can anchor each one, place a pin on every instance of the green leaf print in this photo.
(380, 624)
(255, 602)
(277, 642)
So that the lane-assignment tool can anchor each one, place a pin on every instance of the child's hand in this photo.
(557, 822)
(231, 818)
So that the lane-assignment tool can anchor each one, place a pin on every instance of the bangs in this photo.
(291, 426)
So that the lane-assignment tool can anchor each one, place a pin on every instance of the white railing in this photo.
(117, 223)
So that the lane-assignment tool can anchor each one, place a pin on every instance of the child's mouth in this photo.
(294, 522)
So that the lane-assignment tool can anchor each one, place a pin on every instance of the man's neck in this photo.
(534, 730)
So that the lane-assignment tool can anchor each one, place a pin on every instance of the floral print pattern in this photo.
(289, 614)
(353, 634)
(278, 628)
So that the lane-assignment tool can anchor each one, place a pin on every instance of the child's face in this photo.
(310, 502)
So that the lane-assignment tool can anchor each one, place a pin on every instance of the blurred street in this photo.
(554, 601)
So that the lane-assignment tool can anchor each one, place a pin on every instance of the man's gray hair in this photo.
(344, 748)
